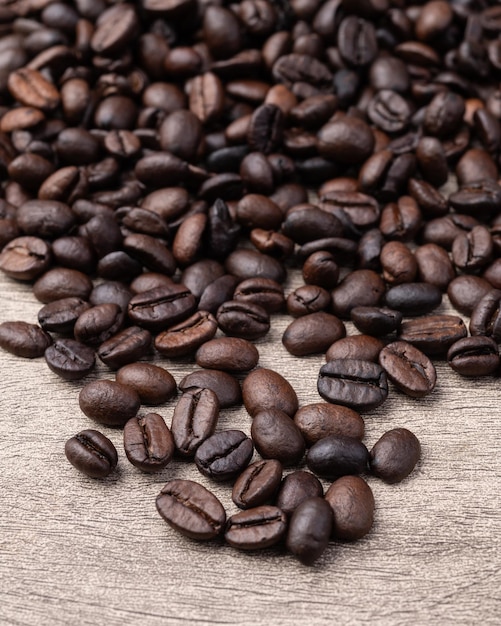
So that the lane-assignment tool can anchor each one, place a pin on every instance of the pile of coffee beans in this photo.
(165, 166)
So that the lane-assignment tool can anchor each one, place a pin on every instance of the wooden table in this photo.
(79, 551)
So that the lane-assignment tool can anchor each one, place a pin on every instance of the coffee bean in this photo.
(319, 420)
(360, 347)
(264, 292)
(360, 385)
(434, 265)
(154, 384)
(414, 298)
(408, 368)
(109, 402)
(60, 316)
(352, 503)
(162, 307)
(395, 455)
(92, 453)
(184, 338)
(227, 353)
(276, 436)
(337, 456)
(225, 386)
(244, 263)
(98, 323)
(357, 41)
(349, 140)
(194, 419)
(466, 291)
(474, 356)
(25, 258)
(433, 334)
(485, 318)
(61, 282)
(360, 288)
(31, 88)
(297, 487)
(148, 442)
(23, 339)
(224, 455)
(70, 359)
(265, 389)
(256, 528)
(313, 333)
(309, 530)
(257, 484)
(375, 320)
(191, 509)
(307, 299)
(243, 319)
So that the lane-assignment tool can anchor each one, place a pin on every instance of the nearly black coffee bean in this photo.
(265, 389)
(70, 359)
(257, 484)
(414, 298)
(127, 346)
(191, 509)
(256, 528)
(297, 487)
(360, 347)
(224, 455)
(184, 338)
(319, 420)
(148, 442)
(433, 334)
(243, 319)
(395, 455)
(360, 385)
(309, 530)
(109, 402)
(228, 353)
(154, 384)
(194, 419)
(408, 368)
(24, 339)
(375, 321)
(276, 436)
(352, 503)
(92, 453)
(474, 356)
(337, 455)
(226, 387)
(313, 333)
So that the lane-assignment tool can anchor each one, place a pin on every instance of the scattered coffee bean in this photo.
(148, 443)
(23, 339)
(408, 368)
(92, 453)
(395, 455)
(224, 455)
(352, 503)
(257, 484)
(256, 528)
(297, 487)
(309, 530)
(154, 384)
(337, 455)
(109, 402)
(265, 389)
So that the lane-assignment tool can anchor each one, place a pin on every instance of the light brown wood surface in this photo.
(79, 551)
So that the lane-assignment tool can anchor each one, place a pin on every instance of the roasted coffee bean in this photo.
(302, 68)
(479, 199)
(225, 386)
(276, 436)
(375, 321)
(31, 88)
(194, 419)
(265, 389)
(153, 383)
(297, 487)
(256, 528)
(243, 319)
(162, 307)
(493, 274)
(473, 250)
(360, 288)
(433, 334)
(389, 111)
(360, 347)
(148, 442)
(474, 356)
(111, 292)
(321, 269)
(200, 274)
(337, 455)
(149, 280)
(434, 265)
(184, 338)
(217, 292)
(98, 323)
(352, 503)
(191, 509)
(70, 359)
(92, 453)
(207, 97)
(127, 346)
(45, 218)
(308, 299)
(23, 339)
(245, 263)
(25, 258)
(360, 385)
(466, 291)
(257, 484)
(408, 368)
(312, 334)
(400, 220)
(486, 316)
(224, 455)
(395, 455)
(348, 140)
(60, 316)
(61, 282)
(414, 298)
(151, 253)
(264, 292)
(309, 530)
(398, 263)
(319, 420)
(118, 265)
(109, 402)
(75, 253)
(227, 353)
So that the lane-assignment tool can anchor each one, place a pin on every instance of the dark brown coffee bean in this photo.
(225, 386)
(309, 530)
(98, 323)
(479, 199)
(313, 333)
(264, 292)
(61, 282)
(308, 299)
(265, 389)
(256, 211)
(23, 339)
(357, 41)
(257, 484)
(224, 455)
(361, 347)
(316, 421)
(150, 252)
(256, 528)
(297, 487)
(194, 419)
(45, 218)
(486, 316)
(434, 265)
(395, 455)
(207, 97)
(302, 68)
(162, 307)
(191, 509)
(116, 28)
(433, 334)
(352, 503)
(265, 129)
(360, 288)
(476, 164)
(473, 250)
(337, 455)
(92, 453)
(444, 114)
(111, 292)
(389, 111)
(414, 298)
(243, 319)
(227, 353)
(245, 263)
(408, 368)
(70, 359)
(360, 385)
(398, 262)
(474, 356)
(154, 384)
(109, 402)
(217, 292)
(276, 436)
(305, 223)
(348, 140)
(400, 220)
(184, 338)
(31, 88)
(127, 346)
(148, 442)
(443, 230)
(60, 316)
(466, 291)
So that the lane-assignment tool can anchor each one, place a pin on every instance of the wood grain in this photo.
(79, 551)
